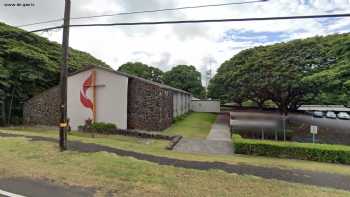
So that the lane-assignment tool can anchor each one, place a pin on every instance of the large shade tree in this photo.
(142, 70)
(29, 64)
(187, 78)
(289, 74)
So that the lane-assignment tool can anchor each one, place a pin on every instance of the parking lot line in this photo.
(9, 194)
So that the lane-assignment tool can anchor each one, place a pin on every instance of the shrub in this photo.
(102, 127)
(293, 150)
(249, 103)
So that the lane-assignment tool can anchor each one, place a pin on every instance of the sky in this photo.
(205, 46)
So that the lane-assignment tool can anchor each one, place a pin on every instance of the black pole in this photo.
(63, 78)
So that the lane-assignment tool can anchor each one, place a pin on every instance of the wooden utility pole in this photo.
(63, 79)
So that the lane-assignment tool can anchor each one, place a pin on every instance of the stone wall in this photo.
(43, 109)
(150, 107)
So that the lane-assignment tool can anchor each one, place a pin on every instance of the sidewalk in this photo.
(218, 141)
(220, 130)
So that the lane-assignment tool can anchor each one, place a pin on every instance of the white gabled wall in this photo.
(111, 100)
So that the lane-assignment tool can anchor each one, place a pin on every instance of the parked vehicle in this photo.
(331, 114)
(309, 112)
(343, 115)
(318, 114)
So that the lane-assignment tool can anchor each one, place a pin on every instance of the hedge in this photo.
(102, 127)
(292, 150)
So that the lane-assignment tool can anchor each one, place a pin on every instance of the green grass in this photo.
(157, 147)
(126, 176)
(195, 126)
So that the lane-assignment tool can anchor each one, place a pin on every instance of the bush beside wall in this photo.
(111, 129)
(102, 127)
(292, 150)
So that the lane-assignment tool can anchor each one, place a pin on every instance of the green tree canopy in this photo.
(309, 71)
(142, 70)
(29, 64)
(186, 78)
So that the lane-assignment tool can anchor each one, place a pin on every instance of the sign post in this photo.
(313, 130)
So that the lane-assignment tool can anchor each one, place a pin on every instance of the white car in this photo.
(331, 114)
(343, 115)
(318, 114)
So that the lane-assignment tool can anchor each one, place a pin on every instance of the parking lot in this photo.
(335, 124)
(334, 131)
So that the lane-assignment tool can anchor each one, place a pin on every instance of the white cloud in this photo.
(167, 45)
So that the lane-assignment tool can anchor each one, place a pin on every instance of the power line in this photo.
(145, 11)
(41, 22)
(191, 21)
(172, 9)
(200, 21)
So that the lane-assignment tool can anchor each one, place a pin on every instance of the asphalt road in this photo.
(40, 188)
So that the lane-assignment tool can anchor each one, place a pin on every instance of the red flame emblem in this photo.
(83, 97)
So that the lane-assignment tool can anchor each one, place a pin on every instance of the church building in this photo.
(105, 95)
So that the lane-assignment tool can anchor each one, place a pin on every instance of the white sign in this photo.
(313, 129)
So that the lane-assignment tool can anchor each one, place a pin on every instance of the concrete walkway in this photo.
(220, 131)
(204, 146)
(218, 141)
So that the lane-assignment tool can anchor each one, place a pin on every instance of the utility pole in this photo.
(63, 78)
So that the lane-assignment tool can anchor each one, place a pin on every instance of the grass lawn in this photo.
(195, 126)
(131, 177)
(157, 147)
(126, 176)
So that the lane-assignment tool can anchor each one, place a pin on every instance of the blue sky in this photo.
(256, 37)
(268, 37)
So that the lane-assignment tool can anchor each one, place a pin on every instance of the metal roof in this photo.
(340, 108)
(89, 67)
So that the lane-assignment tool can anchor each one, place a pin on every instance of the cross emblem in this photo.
(90, 82)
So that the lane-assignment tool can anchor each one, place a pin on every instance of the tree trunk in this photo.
(10, 106)
(2, 111)
(284, 112)
(284, 127)
(260, 105)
